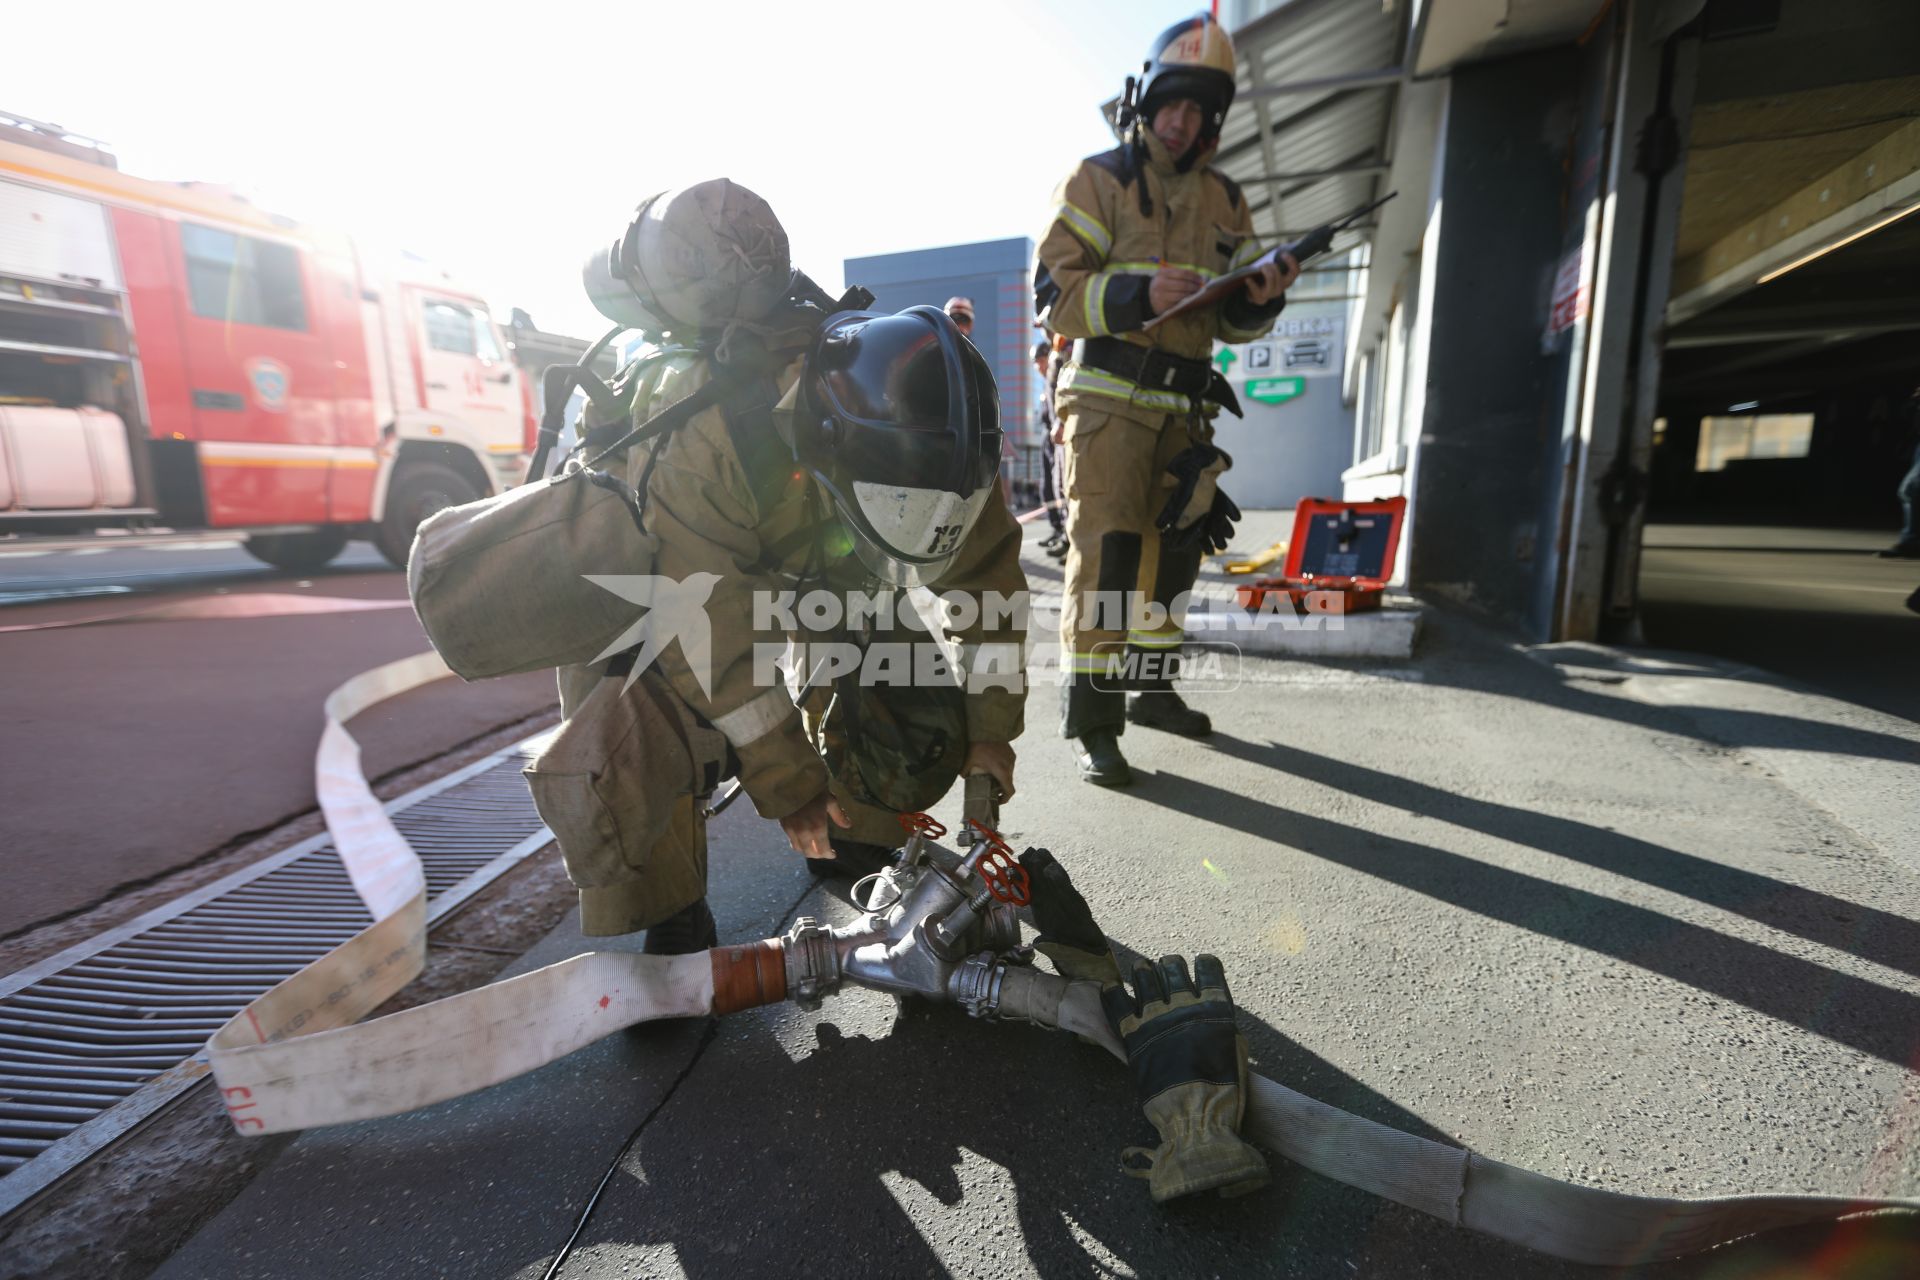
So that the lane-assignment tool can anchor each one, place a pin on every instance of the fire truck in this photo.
(174, 359)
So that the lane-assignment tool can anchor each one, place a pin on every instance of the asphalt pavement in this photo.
(151, 725)
(1499, 898)
(1815, 605)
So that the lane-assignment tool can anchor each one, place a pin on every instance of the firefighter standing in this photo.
(1138, 229)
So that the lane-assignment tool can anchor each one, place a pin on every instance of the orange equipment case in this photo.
(1340, 552)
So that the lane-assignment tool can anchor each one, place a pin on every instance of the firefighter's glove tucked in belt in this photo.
(1197, 512)
(1189, 1067)
(1069, 935)
(1212, 531)
(1196, 476)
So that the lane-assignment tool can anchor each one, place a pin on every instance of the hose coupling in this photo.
(813, 966)
(975, 984)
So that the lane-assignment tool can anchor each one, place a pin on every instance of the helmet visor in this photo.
(909, 537)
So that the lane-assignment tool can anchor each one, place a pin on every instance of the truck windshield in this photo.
(461, 329)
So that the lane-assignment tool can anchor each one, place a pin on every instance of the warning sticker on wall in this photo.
(1569, 292)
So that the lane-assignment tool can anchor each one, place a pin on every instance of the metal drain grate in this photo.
(97, 1038)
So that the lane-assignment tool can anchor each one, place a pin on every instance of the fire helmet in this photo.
(1191, 59)
(899, 420)
(691, 258)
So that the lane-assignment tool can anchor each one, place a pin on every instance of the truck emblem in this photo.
(270, 381)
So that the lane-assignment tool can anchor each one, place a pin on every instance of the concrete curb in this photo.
(1385, 633)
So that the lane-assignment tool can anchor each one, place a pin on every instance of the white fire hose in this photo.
(942, 925)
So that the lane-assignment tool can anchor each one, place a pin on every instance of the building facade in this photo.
(995, 275)
(1645, 254)
(1296, 436)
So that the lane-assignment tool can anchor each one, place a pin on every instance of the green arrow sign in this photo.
(1275, 390)
(1225, 358)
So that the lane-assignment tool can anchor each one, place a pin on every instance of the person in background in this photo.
(960, 311)
(1055, 544)
(1908, 547)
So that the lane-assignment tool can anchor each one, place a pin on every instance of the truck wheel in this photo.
(298, 552)
(419, 490)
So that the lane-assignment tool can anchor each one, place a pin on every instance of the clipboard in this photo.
(1306, 248)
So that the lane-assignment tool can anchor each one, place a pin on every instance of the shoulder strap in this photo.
(746, 404)
(635, 496)
(674, 415)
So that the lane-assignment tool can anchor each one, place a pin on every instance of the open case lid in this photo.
(1345, 540)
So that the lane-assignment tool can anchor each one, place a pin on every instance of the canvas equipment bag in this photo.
(501, 585)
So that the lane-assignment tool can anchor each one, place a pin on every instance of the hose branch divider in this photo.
(298, 1057)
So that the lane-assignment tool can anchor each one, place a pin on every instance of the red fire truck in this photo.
(173, 358)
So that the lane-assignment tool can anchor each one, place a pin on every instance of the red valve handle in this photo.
(922, 824)
(1005, 878)
(988, 834)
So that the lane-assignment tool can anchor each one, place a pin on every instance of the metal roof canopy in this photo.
(1309, 131)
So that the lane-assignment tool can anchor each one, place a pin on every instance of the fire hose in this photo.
(939, 923)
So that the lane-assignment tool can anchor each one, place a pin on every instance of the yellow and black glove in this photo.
(1189, 1067)
(1069, 935)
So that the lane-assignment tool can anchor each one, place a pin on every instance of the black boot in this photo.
(1092, 720)
(686, 931)
(1098, 754)
(1164, 710)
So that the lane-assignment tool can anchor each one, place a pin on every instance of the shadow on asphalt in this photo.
(894, 1131)
(1863, 931)
(1459, 653)
(883, 1117)
(1842, 1007)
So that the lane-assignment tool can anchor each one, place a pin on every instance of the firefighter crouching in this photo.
(1138, 229)
(856, 453)
(769, 440)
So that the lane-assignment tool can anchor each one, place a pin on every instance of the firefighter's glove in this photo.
(1211, 532)
(1189, 1067)
(1196, 474)
(1069, 935)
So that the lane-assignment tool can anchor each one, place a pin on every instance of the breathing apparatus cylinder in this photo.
(692, 258)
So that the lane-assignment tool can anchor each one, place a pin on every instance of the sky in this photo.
(508, 142)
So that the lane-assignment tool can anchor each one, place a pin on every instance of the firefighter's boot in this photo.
(1092, 721)
(1098, 754)
(686, 931)
(1163, 709)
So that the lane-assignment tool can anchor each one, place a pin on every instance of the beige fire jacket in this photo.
(1102, 249)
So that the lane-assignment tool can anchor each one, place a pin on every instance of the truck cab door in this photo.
(464, 369)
